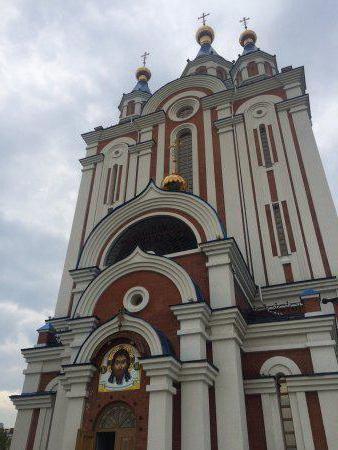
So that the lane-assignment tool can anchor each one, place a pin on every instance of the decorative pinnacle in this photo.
(144, 57)
(203, 17)
(244, 21)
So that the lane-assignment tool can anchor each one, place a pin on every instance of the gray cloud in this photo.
(64, 66)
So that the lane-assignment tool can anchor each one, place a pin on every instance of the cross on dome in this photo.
(244, 21)
(144, 57)
(203, 17)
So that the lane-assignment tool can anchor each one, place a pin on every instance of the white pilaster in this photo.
(196, 377)
(227, 330)
(193, 319)
(75, 381)
(163, 371)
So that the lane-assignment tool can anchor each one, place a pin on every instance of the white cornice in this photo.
(260, 386)
(91, 160)
(35, 400)
(42, 354)
(150, 120)
(228, 121)
(287, 328)
(108, 133)
(302, 100)
(141, 147)
(198, 371)
(284, 292)
(229, 248)
(321, 382)
(227, 323)
(77, 374)
(85, 274)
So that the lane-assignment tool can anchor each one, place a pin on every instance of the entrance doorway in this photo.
(115, 430)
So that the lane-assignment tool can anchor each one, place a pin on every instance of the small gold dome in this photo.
(174, 182)
(247, 36)
(143, 74)
(205, 35)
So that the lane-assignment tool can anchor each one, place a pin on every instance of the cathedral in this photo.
(197, 307)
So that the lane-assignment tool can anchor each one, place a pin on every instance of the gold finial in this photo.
(143, 73)
(174, 181)
(247, 36)
(205, 34)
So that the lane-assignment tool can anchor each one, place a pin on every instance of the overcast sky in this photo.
(63, 68)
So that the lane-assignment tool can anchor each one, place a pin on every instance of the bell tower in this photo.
(197, 307)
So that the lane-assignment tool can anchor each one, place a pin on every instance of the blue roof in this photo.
(206, 49)
(47, 327)
(309, 292)
(249, 48)
(142, 86)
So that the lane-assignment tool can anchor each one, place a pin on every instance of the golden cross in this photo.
(244, 21)
(203, 17)
(144, 57)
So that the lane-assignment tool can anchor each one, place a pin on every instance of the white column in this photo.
(196, 377)
(193, 319)
(227, 330)
(75, 380)
(221, 280)
(76, 233)
(25, 404)
(143, 174)
(324, 360)
(162, 372)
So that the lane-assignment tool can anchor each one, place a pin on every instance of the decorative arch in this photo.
(261, 100)
(116, 415)
(197, 81)
(130, 323)
(279, 364)
(135, 262)
(190, 208)
(52, 385)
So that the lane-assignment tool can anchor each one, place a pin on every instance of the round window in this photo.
(185, 111)
(136, 299)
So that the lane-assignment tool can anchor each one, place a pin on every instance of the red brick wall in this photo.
(316, 420)
(252, 362)
(162, 294)
(255, 419)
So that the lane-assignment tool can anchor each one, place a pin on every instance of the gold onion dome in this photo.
(143, 74)
(205, 35)
(174, 182)
(247, 36)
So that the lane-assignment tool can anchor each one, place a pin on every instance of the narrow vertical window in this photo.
(113, 183)
(131, 108)
(239, 78)
(286, 415)
(265, 145)
(280, 229)
(184, 157)
(252, 69)
(107, 186)
(268, 68)
(221, 73)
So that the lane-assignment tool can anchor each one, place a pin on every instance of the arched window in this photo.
(252, 69)
(268, 68)
(115, 175)
(239, 77)
(130, 108)
(184, 157)
(265, 145)
(201, 69)
(160, 234)
(221, 73)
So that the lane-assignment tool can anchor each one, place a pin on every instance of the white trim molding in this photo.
(104, 332)
(151, 199)
(135, 262)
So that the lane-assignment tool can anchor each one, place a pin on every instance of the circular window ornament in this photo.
(183, 109)
(259, 111)
(136, 299)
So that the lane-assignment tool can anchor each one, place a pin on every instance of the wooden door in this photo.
(125, 439)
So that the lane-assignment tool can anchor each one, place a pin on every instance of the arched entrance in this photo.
(115, 429)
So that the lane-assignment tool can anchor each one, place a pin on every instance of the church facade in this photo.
(197, 308)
